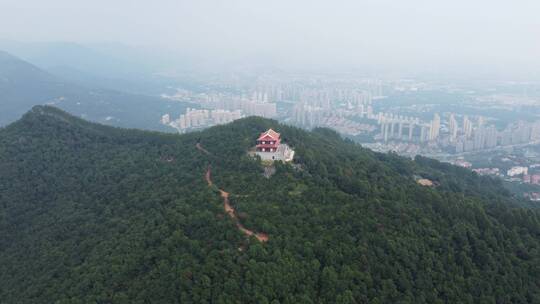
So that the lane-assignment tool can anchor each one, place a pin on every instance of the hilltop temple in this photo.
(269, 147)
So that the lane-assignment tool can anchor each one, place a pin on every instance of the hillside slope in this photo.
(86, 59)
(94, 214)
(23, 85)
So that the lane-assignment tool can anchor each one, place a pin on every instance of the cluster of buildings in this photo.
(309, 116)
(532, 179)
(218, 108)
(352, 101)
(320, 91)
(196, 119)
(453, 136)
(342, 120)
(344, 125)
(523, 173)
(305, 101)
(487, 171)
(460, 162)
(516, 173)
(313, 113)
(257, 105)
(349, 106)
(517, 170)
(477, 136)
(397, 127)
(533, 196)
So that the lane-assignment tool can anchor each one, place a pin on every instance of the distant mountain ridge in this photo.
(57, 54)
(95, 214)
(23, 85)
(16, 70)
(111, 66)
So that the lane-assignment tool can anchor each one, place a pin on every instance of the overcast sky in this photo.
(399, 33)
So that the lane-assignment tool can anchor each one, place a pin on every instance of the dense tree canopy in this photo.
(94, 214)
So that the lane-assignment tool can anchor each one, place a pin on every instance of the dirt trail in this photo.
(200, 148)
(229, 209)
(262, 237)
(208, 178)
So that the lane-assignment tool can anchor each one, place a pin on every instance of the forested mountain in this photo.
(23, 85)
(95, 214)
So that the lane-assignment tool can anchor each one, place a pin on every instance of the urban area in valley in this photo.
(492, 128)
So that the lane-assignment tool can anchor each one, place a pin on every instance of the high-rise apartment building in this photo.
(453, 127)
(435, 127)
(467, 126)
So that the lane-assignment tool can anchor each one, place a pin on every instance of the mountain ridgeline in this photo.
(96, 214)
(23, 85)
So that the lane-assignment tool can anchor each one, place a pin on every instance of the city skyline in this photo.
(352, 106)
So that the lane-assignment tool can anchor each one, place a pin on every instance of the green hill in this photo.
(95, 214)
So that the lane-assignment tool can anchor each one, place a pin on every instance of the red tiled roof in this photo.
(270, 133)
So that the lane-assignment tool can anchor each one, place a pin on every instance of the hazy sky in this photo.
(400, 33)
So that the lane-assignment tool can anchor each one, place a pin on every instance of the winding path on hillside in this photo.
(200, 148)
(229, 209)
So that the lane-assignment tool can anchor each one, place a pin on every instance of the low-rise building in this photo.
(517, 171)
(487, 171)
(462, 163)
(269, 147)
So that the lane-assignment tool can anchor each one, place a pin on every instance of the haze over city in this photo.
(456, 38)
